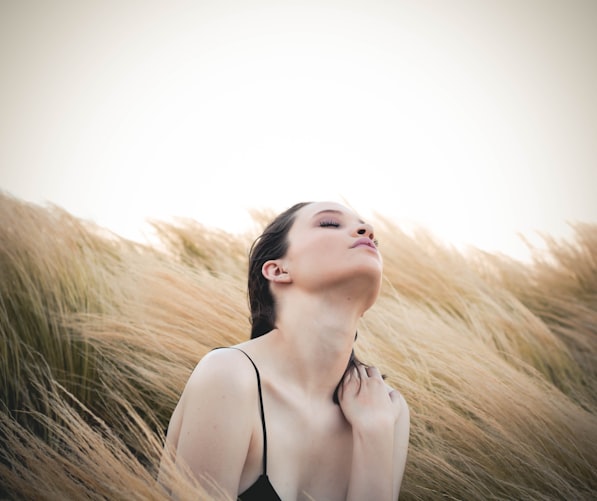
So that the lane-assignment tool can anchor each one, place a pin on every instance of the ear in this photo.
(274, 272)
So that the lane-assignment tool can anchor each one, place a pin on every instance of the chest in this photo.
(309, 451)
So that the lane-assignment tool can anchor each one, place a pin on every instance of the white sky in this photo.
(475, 119)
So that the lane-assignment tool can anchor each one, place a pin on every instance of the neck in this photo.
(315, 339)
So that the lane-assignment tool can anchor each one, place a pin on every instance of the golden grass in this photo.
(98, 336)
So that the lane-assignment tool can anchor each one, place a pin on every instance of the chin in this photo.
(362, 281)
(369, 285)
(374, 295)
(371, 274)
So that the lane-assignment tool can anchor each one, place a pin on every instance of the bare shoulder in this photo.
(400, 402)
(226, 370)
(211, 428)
(222, 378)
(401, 437)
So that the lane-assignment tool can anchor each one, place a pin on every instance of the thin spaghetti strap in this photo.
(260, 404)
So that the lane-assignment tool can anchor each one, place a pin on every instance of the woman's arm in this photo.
(374, 414)
(215, 420)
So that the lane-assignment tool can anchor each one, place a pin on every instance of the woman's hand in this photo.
(366, 400)
(379, 418)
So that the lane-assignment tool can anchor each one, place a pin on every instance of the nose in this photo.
(366, 230)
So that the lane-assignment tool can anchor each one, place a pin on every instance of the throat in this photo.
(314, 371)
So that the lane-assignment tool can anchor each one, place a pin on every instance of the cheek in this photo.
(313, 263)
(312, 250)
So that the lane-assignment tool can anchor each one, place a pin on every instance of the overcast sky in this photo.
(476, 119)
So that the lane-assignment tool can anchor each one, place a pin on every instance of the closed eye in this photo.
(329, 222)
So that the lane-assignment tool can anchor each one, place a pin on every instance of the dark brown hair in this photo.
(271, 244)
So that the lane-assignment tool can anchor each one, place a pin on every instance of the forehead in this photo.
(315, 208)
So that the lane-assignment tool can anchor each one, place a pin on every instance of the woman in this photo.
(262, 419)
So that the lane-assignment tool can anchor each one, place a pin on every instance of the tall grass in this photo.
(98, 336)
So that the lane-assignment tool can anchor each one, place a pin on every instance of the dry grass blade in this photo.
(98, 336)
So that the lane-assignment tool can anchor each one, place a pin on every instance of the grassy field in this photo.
(98, 335)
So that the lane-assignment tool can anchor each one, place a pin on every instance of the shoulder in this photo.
(221, 392)
(216, 417)
(222, 374)
(402, 423)
(402, 410)
(224, 367)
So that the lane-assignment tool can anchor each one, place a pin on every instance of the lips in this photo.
(367, 242)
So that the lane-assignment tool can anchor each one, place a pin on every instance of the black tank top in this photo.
(262, 489)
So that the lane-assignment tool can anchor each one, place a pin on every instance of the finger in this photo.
(363, 371)
(350, 374)
(394, 395)
(373, 372)
(340, 392)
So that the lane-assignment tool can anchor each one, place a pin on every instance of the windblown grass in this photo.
(98, 336)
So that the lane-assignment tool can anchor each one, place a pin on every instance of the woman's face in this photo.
(329, 245)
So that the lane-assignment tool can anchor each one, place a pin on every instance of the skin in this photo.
(316, 449)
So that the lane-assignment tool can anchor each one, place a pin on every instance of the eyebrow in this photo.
(334, 211)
